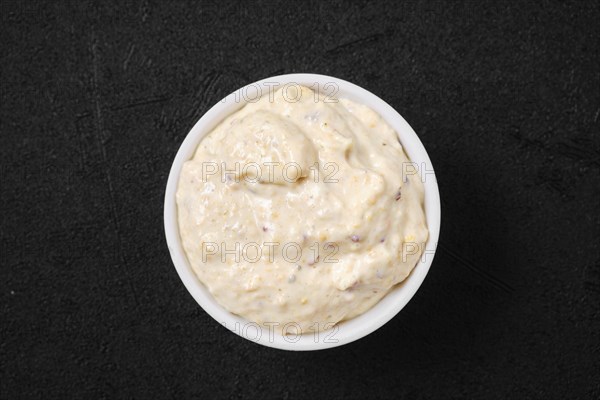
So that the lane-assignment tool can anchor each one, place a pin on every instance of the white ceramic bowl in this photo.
(346, 331)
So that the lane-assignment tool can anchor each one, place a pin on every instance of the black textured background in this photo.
(95, 101)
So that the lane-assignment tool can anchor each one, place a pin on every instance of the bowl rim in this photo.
(347, 331)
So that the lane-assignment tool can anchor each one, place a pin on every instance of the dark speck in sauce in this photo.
(398, 195)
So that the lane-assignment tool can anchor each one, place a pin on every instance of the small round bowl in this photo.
(346, 331)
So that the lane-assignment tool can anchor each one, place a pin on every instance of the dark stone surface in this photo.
(95, 101)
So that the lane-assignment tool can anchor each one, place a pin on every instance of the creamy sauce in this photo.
(304, 212)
